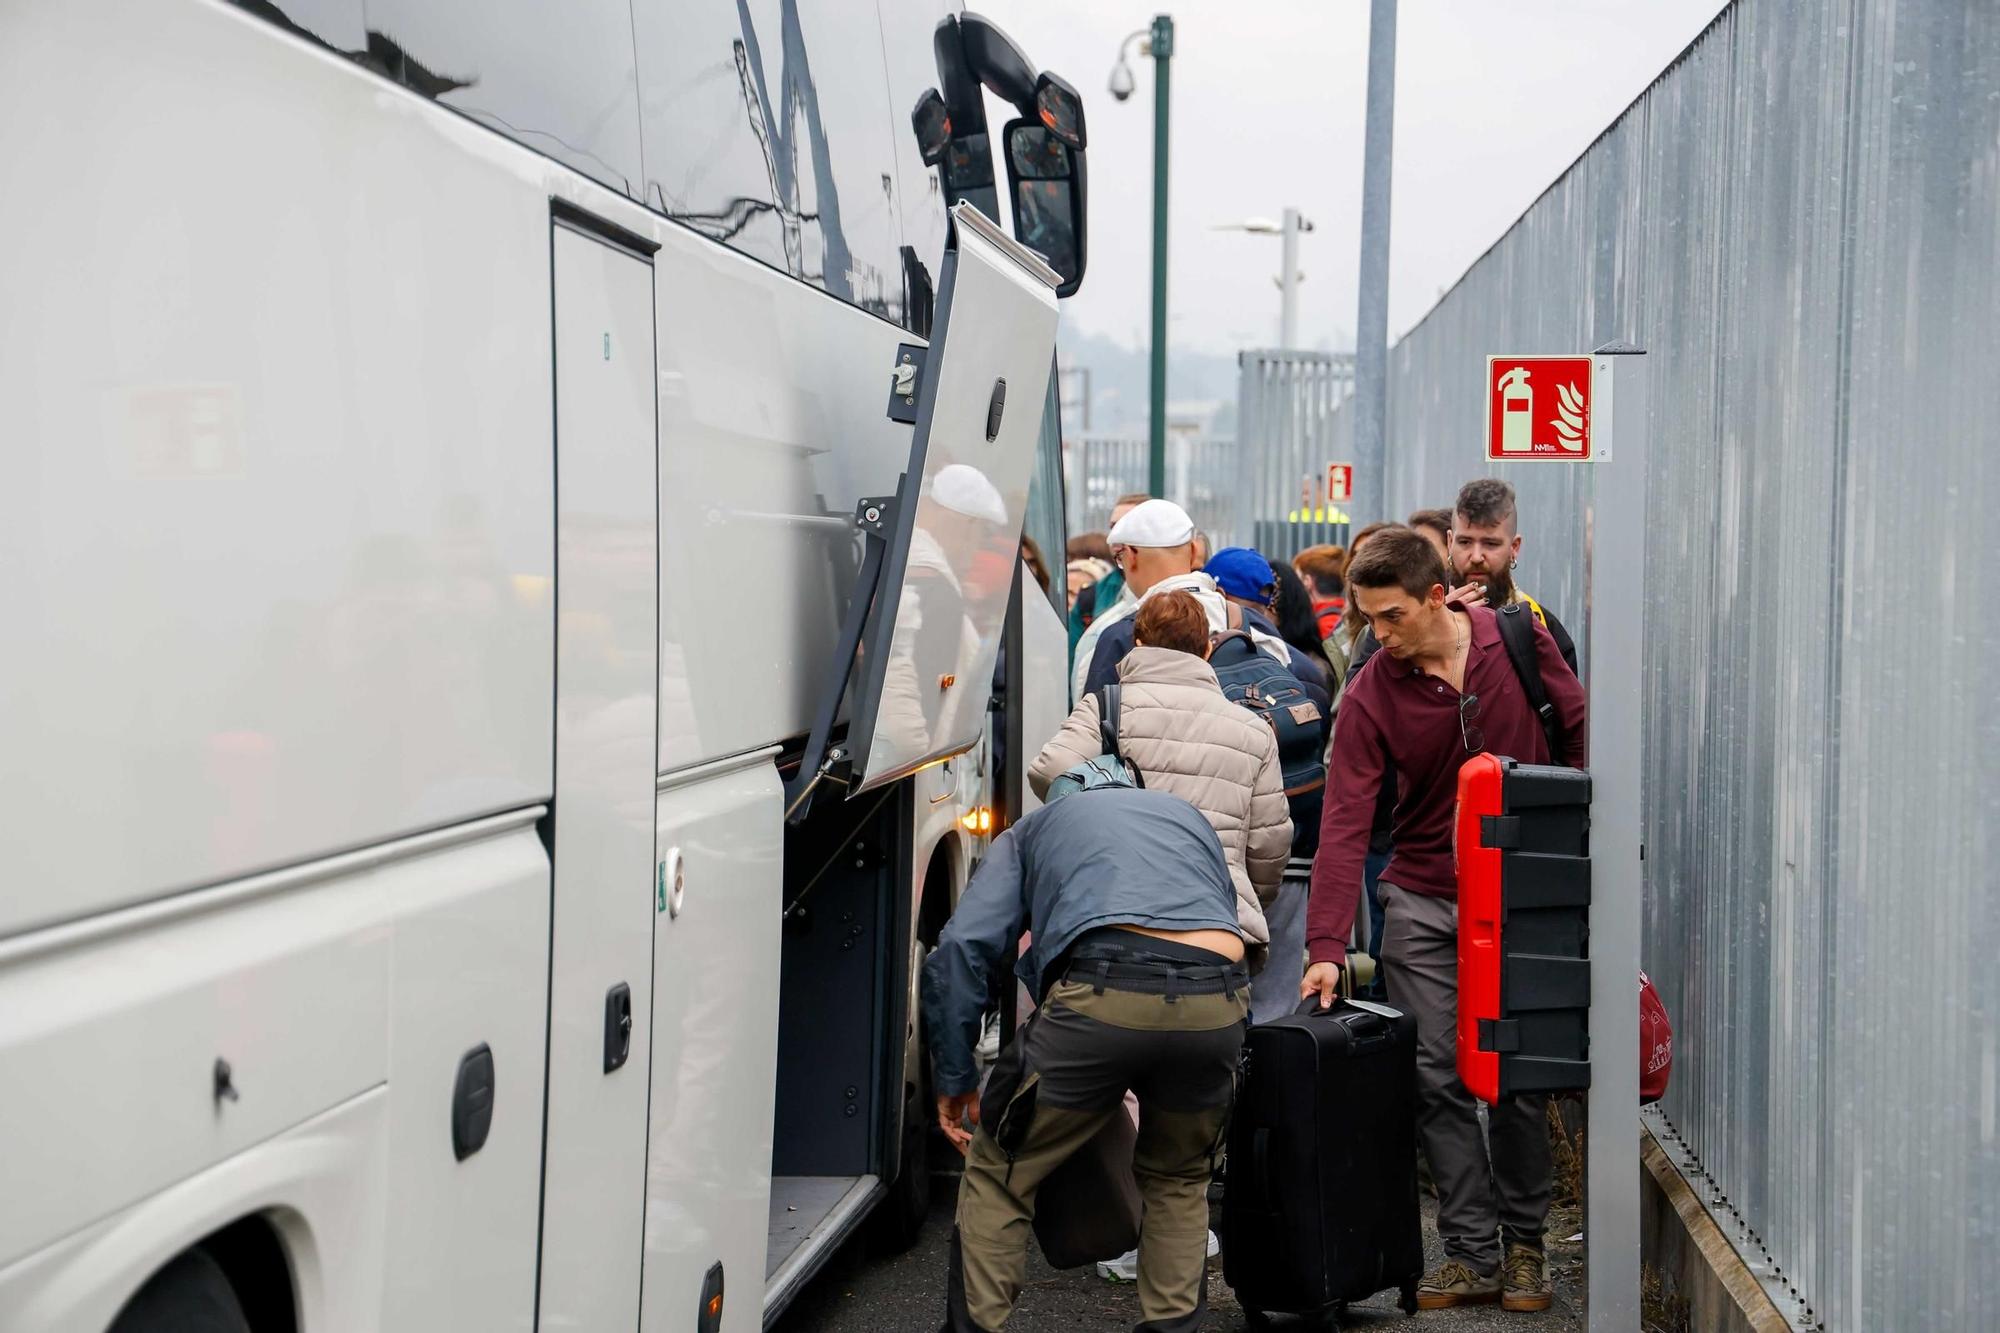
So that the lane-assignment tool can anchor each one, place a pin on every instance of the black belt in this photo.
(1160, 977)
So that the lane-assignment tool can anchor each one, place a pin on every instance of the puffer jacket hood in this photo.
(1190, 741)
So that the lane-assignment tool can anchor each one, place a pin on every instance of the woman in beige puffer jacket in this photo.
(1190, 741)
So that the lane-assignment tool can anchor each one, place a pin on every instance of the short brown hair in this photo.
(1132, 498)
(1323, 567)
(1091, 545)
(1354, 547)
(1399, 558)
(1437, 520)
(1172, 620)
(1486, 502)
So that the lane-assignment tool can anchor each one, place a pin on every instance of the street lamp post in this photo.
(1159, 44)
(1289, 276)
(1288, 282)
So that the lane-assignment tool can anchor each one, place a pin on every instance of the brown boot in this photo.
(1525, 1274)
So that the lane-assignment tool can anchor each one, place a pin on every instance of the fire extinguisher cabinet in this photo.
(1523, 842)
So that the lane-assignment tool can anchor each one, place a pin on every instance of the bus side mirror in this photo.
(1046, 185)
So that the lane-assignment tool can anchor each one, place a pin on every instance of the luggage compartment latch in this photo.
(906, 383)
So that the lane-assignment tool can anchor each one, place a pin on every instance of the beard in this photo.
(1499, 585)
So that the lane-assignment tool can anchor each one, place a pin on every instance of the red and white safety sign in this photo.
(1339, 483)
(1538, 409)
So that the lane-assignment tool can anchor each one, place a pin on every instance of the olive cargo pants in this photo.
(1065, 1075)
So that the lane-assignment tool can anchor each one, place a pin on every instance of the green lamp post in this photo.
(1159, 44)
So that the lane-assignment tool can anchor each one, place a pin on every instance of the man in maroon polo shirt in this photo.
(1441, 690)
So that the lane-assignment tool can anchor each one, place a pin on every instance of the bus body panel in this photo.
(771, 428)
(281, 547)
(325, 1185)
(384, 966)
(283, 307)
(1045, 678)
(717, 908)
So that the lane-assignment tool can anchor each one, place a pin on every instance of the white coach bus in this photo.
(439, 891)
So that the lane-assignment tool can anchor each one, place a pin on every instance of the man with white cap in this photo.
(948, 591)
(1153, 542)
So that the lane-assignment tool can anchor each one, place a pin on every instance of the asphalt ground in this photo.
(863, 1292)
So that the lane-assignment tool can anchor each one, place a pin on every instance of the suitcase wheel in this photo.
(1255, 1319)
(1409, 1295)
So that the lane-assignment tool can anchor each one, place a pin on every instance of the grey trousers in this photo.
(1274, 992)
(1482, 1199)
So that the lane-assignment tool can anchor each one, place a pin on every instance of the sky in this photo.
(1493, 102)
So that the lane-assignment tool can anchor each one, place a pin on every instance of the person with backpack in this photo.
(1137, 968)
(1111, 597)
(1450, 682)
(1292, 700)
(1485, 547)
(1172, 722)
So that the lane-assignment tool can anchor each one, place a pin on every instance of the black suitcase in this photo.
(1319, 1203)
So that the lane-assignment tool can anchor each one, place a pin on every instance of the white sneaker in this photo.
(988, 1049)
(1125, 1268)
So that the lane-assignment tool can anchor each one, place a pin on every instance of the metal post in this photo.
(1162, 42)
(1288, 285)
(1371, 327)
(1615, 665)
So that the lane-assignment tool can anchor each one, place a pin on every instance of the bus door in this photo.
(949, 570)
(606, 742)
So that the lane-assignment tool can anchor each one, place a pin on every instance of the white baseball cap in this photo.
(964, 489)
(1154, 523)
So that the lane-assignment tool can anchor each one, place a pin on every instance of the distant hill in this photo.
(1120, 383)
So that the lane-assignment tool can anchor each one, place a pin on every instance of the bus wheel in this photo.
(901, 1216)
(189, 1295)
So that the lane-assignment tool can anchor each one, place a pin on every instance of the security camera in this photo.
(1121, 80)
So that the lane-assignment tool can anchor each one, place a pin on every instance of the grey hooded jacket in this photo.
(1105, 856)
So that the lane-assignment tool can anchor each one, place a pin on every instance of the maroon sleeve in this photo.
(1566, 693)
(1347, 817)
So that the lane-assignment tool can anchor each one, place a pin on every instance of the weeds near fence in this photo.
(1661, 1309)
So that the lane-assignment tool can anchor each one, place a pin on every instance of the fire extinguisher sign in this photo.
(1538, 409)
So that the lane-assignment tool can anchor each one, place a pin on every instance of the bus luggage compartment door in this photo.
(607, 720)
(929, 647)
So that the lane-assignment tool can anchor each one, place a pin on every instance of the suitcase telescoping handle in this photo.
(1368, 1025)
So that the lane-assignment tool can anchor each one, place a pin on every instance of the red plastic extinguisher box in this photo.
(1523, 844)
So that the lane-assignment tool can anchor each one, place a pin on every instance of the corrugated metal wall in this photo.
(1801, 221)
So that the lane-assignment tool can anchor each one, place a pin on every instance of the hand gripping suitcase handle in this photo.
(1368, 1026)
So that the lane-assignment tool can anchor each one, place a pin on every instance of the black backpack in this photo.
(1259, 682)
(1517, 632)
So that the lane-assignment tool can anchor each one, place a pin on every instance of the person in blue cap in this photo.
(1249, 582)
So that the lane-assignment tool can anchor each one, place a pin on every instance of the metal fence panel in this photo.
(1201, 477)
(1290, 430)
(1801, 221)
